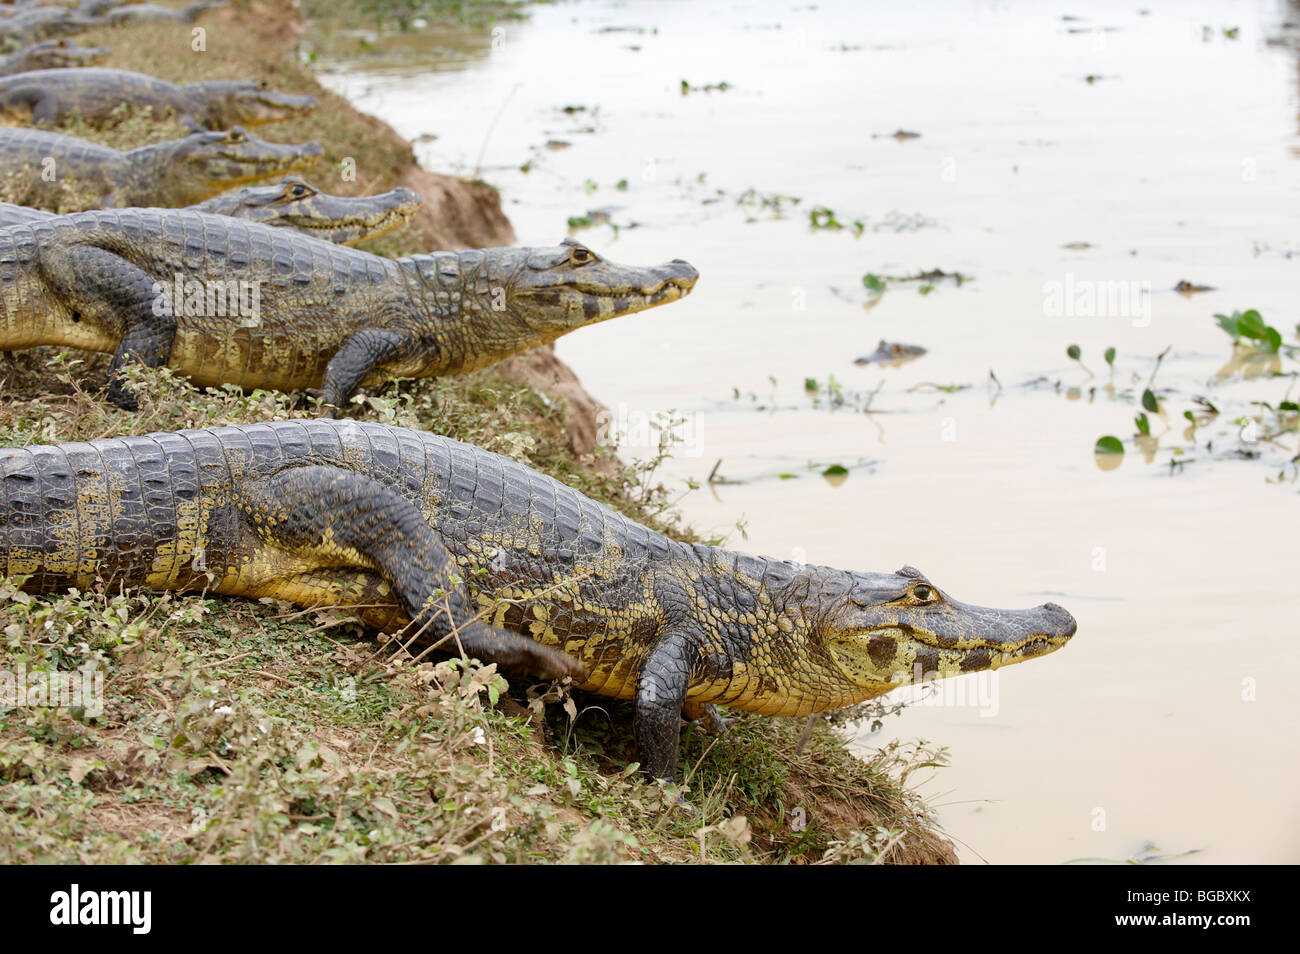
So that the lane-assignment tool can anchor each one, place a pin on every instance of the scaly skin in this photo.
(95, 93)
(178, 172)
(292, 204)
(152, 13)
(44, 23)
(414, 526)
(50, 55)
(325, 316)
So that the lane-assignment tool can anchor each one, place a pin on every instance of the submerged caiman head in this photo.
(206, 163)
(61, 54)
(892, 629)
(248, 103)
(554, 290)
(297, 204)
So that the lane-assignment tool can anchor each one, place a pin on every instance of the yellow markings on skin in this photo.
(175, 557)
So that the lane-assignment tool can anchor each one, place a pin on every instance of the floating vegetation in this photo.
(1188, 289)
(772, 202)
(1075, 353)
(1249, 325)
(1148, 854)
(722, 87)
(941, 388)
(822, 218)
(836, 474)
(876, 285)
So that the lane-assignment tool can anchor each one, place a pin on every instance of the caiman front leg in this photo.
(357, 358)
(103, 287)
(350, 519)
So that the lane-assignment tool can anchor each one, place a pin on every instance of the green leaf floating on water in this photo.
(1110, 356)
(1142, 424)
(835, 470)
(1109, 445)
(873, 283)
(1074, 352)
(1250, 324)
(1149, 401)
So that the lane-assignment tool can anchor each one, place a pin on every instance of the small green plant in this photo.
(1249, 325)
(1075, 353)
(820, 217)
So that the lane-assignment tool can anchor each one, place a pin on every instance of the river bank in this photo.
(237, 730)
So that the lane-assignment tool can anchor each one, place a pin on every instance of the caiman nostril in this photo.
(1053, 608)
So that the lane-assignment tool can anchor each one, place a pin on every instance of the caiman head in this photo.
(555, 290)
(60, 54)
(887, 630)
(206, 163)
(296, 204)
(248, 103)
(512, 299)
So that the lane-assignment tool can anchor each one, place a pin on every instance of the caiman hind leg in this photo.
(661, 689)
(105, 288)
(350, 519)
(41, 100)
(708, 716)
(357, 358)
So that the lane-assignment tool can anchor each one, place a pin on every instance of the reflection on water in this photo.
(1077, 206)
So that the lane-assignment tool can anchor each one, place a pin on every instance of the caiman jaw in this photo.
(569, 286)
(898, 629)
(236, 158)
(363, 216)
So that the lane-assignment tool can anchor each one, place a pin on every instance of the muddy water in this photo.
(1170, 719)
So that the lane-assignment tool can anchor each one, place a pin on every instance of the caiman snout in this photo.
(1067, 625)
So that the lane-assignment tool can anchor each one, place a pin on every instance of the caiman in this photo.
(95, 93)
(226, 301)
(152, 13)
(407, 526)
(293, 204)
(178, 172)
(29, 25)
(50, 55)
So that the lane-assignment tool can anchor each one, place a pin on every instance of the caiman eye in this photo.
(297, 190)
(235, 136)
(922, 593)
(581, 256)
